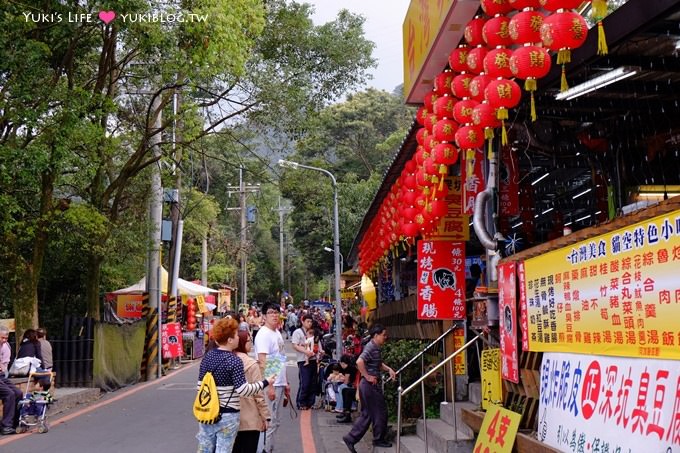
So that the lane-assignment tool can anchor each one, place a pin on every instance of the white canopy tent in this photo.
(184, 287)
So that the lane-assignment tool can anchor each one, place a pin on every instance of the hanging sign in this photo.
(507, 300)
(617, 293)
(609, 403)
(472, 175)
(523, 318)
(498, 431)
(129, 305)
(508, 183)
(454, 226)
(491, 377)
(171, 340)
(441, 280)
(459, 367)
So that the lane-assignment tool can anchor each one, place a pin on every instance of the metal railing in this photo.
(421, 381)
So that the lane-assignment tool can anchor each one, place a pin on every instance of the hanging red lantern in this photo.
(410, 180)
(411, 165)
(473, 32)
(458, 59)
(430, 121)
(554, 5)
(530, 63)
(461, 86)
(421, 155)
(497, 63)
(443, 107)
(521, 4)
(477, 86)
(462, 111)
(443, 155)
(438, 208)
(422, 178)
(430, 167)
(408, 197)
(431, 142)
(409, 230)
(486, 117)
(442, 83)
(496, 32)
(469, 137)
(445, 130)
(429, 99)
(525, 27)
(421, 114)
(421, 134)
(493, 7)
(503, 94)
(562, 32)
(475, 59)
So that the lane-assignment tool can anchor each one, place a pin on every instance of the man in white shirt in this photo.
(307, 366)
(269, 342)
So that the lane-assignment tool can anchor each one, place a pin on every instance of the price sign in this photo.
(498, 431)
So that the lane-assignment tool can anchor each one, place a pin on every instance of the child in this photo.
(309, 344)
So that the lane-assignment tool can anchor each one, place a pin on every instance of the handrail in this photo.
(448, 331)
(401, 392)
(446, 360)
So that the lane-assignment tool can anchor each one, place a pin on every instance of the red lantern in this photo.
(408, 197)
(473, 32)
(497, 63)
(430, 121)
(421, 134)
(431, 142)
(443, 107)
(554, 5)
(493, 7)
(475, 59)
(525, 27)
(421, 155)
(530, 63)
(438, 208)
(445, 154)
(442, 83)
(462, 111)
(485, 116)
(562, 32)
(469, 137)
(461, 86)
(409, 229)
(521, 4)
(410, 181)
(429, 100)
(445, 130)
(477, 86)
(496, 32)
(430, 167)
(421, 114)
(503, 94)
(458, 59)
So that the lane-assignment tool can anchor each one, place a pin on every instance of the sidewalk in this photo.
(329, 435)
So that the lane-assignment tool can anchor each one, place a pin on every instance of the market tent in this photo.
(184, 287)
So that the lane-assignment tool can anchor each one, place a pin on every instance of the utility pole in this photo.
(243, 189)
(282, 210)
(152, 362)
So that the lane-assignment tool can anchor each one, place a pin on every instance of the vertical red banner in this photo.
(441, 280)
(507, 300)
(472, 175)
(523, 316)
(508, 186)
(171, 340)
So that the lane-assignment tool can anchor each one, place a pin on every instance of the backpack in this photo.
(207, 402)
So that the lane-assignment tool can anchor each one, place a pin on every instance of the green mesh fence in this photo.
(118, 352)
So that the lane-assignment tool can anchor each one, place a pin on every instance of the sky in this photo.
(384, 19)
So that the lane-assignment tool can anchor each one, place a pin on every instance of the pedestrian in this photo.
(373, 406)
(254, 322)
(227, 370)
(5, 351)
(291, 321)
(307, 365)
(346, 392)
(30, 346)
(255, 415)
(45, 349)
(269, 345)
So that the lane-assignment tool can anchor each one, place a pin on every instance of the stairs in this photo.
(447, 434)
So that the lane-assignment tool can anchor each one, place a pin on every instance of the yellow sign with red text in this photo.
(617, 293)
(498, 431)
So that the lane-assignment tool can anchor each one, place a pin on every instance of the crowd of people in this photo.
(36, 351)
(252, 406)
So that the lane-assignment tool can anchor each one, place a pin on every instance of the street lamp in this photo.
(336, 249)
(342, 259)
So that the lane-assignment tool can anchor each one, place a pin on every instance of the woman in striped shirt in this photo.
(227, 369)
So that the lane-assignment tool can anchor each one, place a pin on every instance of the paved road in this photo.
(149, 417)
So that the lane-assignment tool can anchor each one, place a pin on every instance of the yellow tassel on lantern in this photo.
(502, 115)
(443, 171)
(602, 48)
(564, 86)
(530, 85)
(469, 156)
(488, 135)
(564, 56)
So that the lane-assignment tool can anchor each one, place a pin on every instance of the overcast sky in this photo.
(384, 19)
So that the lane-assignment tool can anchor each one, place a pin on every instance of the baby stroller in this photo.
(33, 406)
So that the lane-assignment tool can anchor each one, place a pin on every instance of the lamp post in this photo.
(342, 259)
(336, 249)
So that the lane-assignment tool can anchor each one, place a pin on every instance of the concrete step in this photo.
(442, 439)
(446, 414)
(413, 444)
(475, 393)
